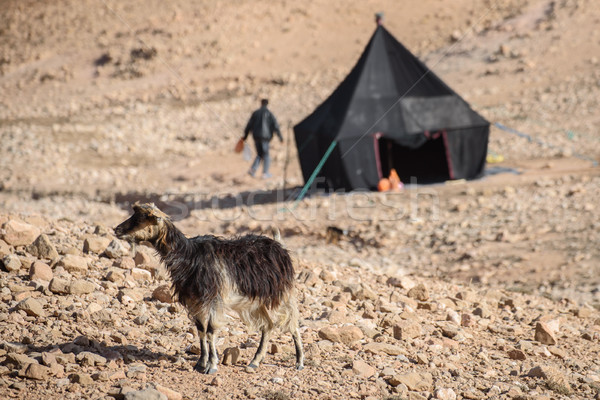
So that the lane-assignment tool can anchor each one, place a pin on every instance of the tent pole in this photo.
(314, 174)
(287, 155)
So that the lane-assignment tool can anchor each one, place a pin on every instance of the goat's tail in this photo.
(276, 234)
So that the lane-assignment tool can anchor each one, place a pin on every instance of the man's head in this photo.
(264, 102)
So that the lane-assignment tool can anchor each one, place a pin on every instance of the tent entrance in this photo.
(429, 162)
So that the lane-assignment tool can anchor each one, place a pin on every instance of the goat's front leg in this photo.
(213, 358)
(262, 348)
(299, 350)
(203, 360)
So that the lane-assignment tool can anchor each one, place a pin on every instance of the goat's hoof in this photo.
(251, 368)
(299, 367)
(210, 371)
(200, 367)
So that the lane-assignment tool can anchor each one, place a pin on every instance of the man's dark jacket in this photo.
(262, 124)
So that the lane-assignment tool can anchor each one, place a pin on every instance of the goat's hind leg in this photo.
(262, 348)
(203, 360)
(261, 316)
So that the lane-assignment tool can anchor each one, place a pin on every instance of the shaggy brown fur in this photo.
(252, 275)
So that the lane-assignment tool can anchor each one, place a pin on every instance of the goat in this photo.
(252, 275)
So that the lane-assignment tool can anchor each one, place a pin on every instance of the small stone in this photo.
(144, 257)
(11, 263)
(40, 271)
(445, 394)
(216, 381)
(18, 233)
(146, 394)
(95, 244)
(140, 274)
(124, 263)
(115, 249)
(74, 264)
(87, 358)
(59, 286)
(163, 294)
(419, 293)
(482, 311)
(558, 352)
(346, 334)
(403, 282)
(386, 348)
(32, 307)
(407, 330)
(81, 286)
(19, 361)
(453, 316)
(36, 371)
(231, 356)
(362, 369)
(126, 295)
(141, 319)
(171, 394)
(116, 276)
(516, 354)
(416, 381)
(544, 334)
(466, 320)
(42, 248)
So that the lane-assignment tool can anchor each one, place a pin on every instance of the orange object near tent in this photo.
(383, 185)
(394, 180)
(239, 146)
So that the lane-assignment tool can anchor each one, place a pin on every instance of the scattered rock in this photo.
(516, 354)
(171, 394)
(59, 286)
(82, 379)
(95, 244)
(346, 334)
(163, 294)
(231, 356)
(407, 330)
(18, 233)
(43, 248)
(36, 371)
(81, 286)
(40, 271)
(11, 263)
(116, 249)
(383, 348)
(444, 394)
(74, 264)
(362, 369)
(419, 293)
(544, 334)
(146, 394)
(32, 307)
(416, 381)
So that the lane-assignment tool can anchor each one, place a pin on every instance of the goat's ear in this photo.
(136, 206)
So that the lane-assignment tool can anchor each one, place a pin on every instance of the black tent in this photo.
(391, 111)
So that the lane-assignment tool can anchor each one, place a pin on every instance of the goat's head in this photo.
(145, 224)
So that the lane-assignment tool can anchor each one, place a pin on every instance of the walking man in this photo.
(262, 124)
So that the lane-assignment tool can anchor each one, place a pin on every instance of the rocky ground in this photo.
(487, 289)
